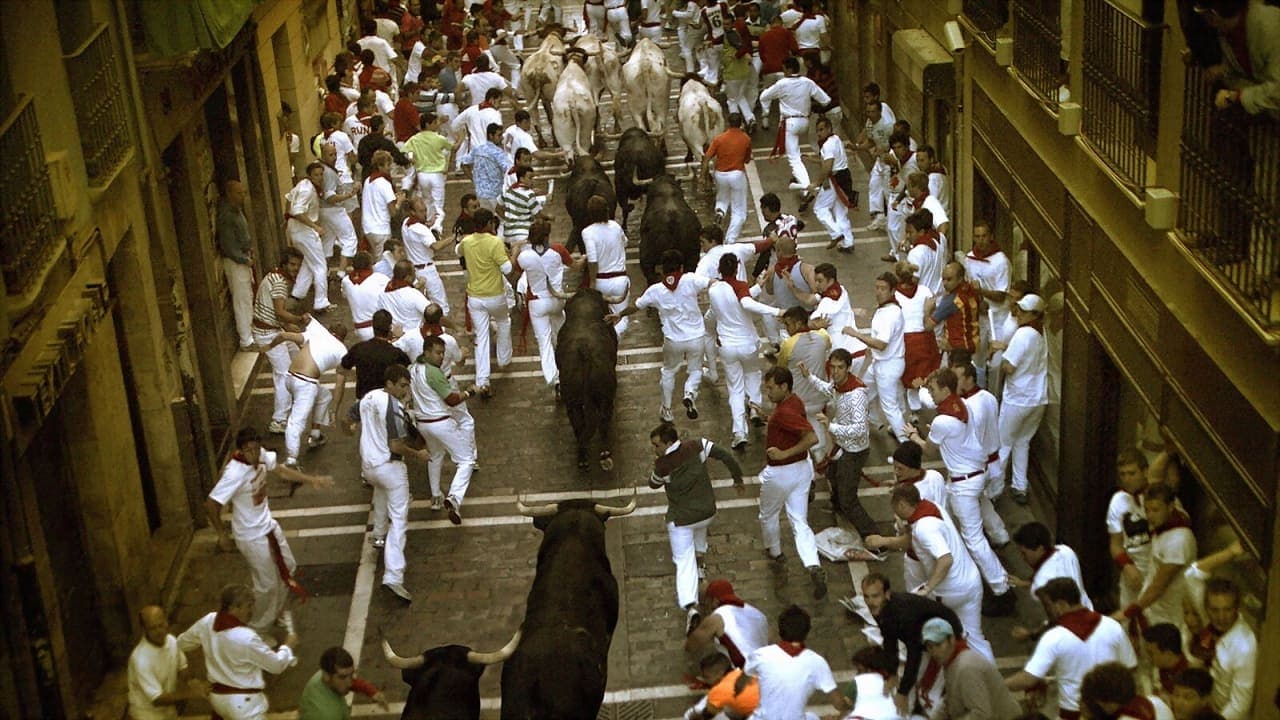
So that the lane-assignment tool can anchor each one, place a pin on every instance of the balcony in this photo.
(986, 17)
(1037, 47)
(1121, 98)
(29, 225)
(101, 105)
(1229, 216)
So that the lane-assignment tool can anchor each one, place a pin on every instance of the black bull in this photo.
(587, 357)
(636, 162)
(587, 178)
(444, 682)
(668, 223)
(560, 670)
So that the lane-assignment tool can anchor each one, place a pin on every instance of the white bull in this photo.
(700, 117)
(645, 77)
(539, 78)
(573, 115)
(604, 72)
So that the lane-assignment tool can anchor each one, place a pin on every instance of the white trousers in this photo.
(968, 607)
(315, 271)
(596, 15)
(546, 315)
(240, 282)
(896, 228)
(653, 33)
(617, 287)
(434, 286)
(690, 39)
(877, 188)
(619, 20)
(738, 97)
(310, 400)
(338, 229)
(484, 309)
(788, 486)
(431, 186)
(269, 591)
(280, 357)
(971, 509)
(391, 498)
(833, 214)
(742, 377)
(1018, 424)
(884, 381)
(731, 199)
(686, 542)
(247, 706)
(449, 437)
(709, 62)
(797, 132)
(673, 353)
(376, 241)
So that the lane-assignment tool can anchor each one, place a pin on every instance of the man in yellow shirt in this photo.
(485, 257)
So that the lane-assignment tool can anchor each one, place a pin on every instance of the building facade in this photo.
(118, 122)
(1150, 222)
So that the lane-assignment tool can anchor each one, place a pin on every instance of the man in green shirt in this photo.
(431, 152)
(325, 695)
(681, 469)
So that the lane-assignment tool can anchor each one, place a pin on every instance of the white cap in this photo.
(1031, 303)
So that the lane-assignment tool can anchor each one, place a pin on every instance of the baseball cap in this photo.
(936, 630)
(1031, 303)
(722, 590)
(909, 454)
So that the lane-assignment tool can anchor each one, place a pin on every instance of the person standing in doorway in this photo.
(235, 243)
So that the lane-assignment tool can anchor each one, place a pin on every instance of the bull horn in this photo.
(400, 663)
(492, 658)
(533, 511)
(614, 511)
(635, 178)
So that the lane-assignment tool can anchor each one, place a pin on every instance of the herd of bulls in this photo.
(556, 664)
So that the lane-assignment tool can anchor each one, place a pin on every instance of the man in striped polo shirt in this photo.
(518, 206)
(271, 316)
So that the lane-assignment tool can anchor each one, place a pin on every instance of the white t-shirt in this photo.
(833, 150)
(1028, 384)
(153, 671)
(244, 487)
(1062, 563)
(886, 326)
(926, 259)
(678, 309)
(544, 270)
(383, 52)
(375, 198)
(933, 487)
(364, 297)
(958, 444)
(1064, 655)
(236, 656)
(709, 263)
(1176, 546)
(406, 306)
(342, 143)
(476, 121)
(809, 31)
(786, 682)
(304, 202)
(1235, 657)
(381, 420)
(991, 273)
(1125, 514)
(514, 138)
(326, 350)
(984, 419)
(913, 308)
(411, 343)
(418, 239)
(839, 313)
(734, 327)
(355, 128)
(746, 627)
(932, 538)
(414, 67)
(794, 94)
(479, 84)
(606, 245)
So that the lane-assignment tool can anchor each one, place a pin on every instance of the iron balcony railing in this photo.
(987, 17)
(101, 105)
(28, 217)
(1230, 210)
(1121, 98)
(1037, 46)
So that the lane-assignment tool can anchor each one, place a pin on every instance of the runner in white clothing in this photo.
(984, 413)
(402, 298)
(303, 222)
(433, 399)
(834, 188)
(321, 350)
(988, 269)
(789, 672)
(676, 299)
(888, 352)
(1047, 560)
(1025, 370)
(363, 289)
(543, 267)
(420, 247)
(606, 249)
(794, 94)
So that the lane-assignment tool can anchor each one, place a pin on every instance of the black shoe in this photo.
(806, 200)
(1001, 605)
(818, 578)
(690, 409)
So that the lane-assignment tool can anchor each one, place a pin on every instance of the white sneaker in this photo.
(275, 427)
(739, 443)
(665, 415)
(878, 222)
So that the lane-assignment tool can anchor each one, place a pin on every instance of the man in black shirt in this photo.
(901, 617)
(375, 141)
(371, 358)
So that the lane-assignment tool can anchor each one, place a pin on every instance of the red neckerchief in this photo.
(790, 648)
(971, 393)
(414, 219)
(833, 291)
(740, 288)
(851, 383)
(929, 237)
(672, 281)
(1139, 708)
(932, 671)
(239, 457)
(518, 184)
(395, 285)
(485, 104)
(329, 132)
(225, 621)
(888, 302)
(378, 174)
(1168, 674)
(783, 265)
(982, 256)
(1081, 622)
(366, 120)
(1204, 644)
(911, 294)
(430, 330)
(918, 202)
(1177, 519)
(1036, 567)
(938, 168)
(914, 480)
(923, 510)
(954, 406)
(359, 276)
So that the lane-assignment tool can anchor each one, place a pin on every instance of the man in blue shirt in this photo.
(489, 164)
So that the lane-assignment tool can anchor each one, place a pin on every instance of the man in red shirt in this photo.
(775, 45)
(957, 309)
(732, 151)
(786, 477)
